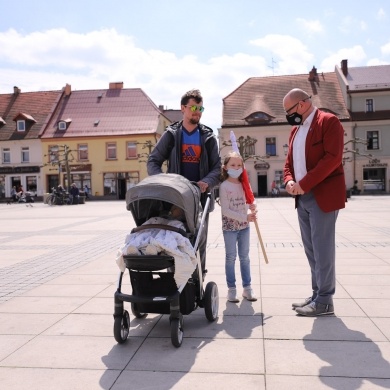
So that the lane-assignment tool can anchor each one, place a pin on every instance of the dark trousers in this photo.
(318, 237)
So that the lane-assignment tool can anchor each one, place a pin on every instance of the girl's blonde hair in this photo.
(224, 175)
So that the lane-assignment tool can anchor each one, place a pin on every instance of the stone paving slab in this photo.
(58, 276)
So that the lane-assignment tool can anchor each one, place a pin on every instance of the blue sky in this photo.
(167, 47)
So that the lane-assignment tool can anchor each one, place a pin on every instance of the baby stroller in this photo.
(152, 276)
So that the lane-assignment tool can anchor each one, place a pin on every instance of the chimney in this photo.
(344, 67)
(161, 108)
(68, 89)
(116, 85)
(313, 76)
(16, 90)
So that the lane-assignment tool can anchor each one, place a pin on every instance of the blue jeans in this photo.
(233, 240)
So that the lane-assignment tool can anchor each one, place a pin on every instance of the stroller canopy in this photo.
(148, 197)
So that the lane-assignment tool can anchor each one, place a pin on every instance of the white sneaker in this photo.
(249, 294)
(232, 295)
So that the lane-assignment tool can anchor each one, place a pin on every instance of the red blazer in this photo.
(324, 154)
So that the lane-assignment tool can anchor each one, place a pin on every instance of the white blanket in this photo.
(166, 241)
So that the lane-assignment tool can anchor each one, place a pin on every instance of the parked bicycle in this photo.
(59, 197)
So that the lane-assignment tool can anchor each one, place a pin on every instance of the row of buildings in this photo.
(101, 138)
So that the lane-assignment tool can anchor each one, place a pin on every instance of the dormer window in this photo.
(21, 125)
(258, 117)
(63, 124)
(24, 122)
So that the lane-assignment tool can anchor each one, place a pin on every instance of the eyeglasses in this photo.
(287, 111)
(194, 108)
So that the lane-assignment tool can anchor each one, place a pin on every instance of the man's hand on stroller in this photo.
(202, 185)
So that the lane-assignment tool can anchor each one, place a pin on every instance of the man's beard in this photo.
(194, 121)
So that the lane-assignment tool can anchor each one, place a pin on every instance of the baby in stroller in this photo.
(156, 241)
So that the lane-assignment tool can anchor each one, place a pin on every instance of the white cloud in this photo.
(292, 55)
(376, 61)
(90, 61)
(381, 14)
(50, 59)
(355, 56)
(385, 49)
(310, 26)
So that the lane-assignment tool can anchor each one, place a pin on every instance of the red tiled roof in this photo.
(265, 94)
(36, 105)
(105, 112)
(173, 115)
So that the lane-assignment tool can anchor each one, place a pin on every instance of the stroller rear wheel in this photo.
(177, 330)
(211, 301)
(136, 312)
(121, 327)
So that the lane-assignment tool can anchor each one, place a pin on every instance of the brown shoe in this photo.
(314, 309)
(301, 304)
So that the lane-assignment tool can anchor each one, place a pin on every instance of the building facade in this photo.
(22, 117)
(97, 139)
(100, 139)
(366, 91)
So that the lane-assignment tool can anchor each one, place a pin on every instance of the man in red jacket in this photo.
(314, 174)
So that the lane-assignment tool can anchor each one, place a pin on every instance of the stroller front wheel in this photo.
(177, 331)
(122, 327)
(211, 301)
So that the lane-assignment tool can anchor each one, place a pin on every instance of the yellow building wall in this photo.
(97, 150)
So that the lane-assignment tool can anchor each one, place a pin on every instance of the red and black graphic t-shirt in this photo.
(190, 154)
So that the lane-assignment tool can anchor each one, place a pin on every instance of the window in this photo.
(133, 179)
(111, 151)
(21, 125)
(249, 148)
(270, 146)
(110, 183)
(372, 140)
(131, 150)
(278, 178)
(53, 154)
(369, 105)
(62, 125)
(83, 152)
(6, 156)
(31, 182)
(25, 155)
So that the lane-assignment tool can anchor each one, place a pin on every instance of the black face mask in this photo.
(294, 119)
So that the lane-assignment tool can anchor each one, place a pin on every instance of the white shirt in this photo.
(233, 207)
(299, 154)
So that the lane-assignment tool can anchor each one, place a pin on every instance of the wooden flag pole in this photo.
(261, 242)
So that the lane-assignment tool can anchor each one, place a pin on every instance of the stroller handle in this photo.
(204, 213)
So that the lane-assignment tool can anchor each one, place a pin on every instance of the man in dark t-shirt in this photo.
(191, 150)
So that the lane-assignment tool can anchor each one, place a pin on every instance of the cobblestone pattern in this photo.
(26, 275)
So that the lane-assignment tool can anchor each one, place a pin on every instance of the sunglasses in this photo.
(303, 100)
(194, 108)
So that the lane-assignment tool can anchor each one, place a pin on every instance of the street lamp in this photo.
(285, 149)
